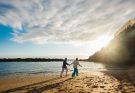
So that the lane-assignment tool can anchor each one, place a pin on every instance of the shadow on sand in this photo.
(122, 73)
(32, 88)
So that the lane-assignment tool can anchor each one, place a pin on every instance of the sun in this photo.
(103, 40)
(97, 44)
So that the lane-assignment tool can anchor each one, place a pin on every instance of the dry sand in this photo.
(87, 82)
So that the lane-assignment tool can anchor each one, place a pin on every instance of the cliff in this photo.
(121, 49)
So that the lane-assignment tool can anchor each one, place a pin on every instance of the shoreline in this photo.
(56, 73)
(87, 82)
(25, 73)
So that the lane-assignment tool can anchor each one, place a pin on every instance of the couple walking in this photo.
(75, 65)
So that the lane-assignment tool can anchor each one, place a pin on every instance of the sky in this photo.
(60, 28)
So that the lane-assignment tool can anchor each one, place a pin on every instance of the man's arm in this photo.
(72, 63)
(67, 63)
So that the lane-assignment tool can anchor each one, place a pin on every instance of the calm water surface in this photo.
(43, 67)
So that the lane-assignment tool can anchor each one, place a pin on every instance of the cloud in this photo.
(64, 21)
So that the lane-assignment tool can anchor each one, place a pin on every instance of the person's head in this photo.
(65, 59)
(76, 59)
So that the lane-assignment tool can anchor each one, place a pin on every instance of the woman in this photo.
(75, 65)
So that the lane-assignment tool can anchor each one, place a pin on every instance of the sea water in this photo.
(7, 68)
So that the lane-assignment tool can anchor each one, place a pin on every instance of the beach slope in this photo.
(90, 82)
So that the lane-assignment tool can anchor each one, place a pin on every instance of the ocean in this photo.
(8, 68)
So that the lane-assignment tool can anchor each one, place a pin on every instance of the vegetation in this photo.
(30, 59)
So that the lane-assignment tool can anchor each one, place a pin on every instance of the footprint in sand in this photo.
(27, 88)
(71, 83)
(81, 92)
(120, 87)
(34, 87)
(77, 86)
(94, 86)
(105, 83)
(102, 86)
(62, 91)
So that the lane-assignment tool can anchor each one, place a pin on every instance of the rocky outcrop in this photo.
(121, 49)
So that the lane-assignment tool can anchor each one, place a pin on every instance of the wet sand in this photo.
(87, 82)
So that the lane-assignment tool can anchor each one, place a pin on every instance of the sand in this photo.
(87, 82)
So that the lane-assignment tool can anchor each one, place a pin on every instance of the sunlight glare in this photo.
(99, 43)
(103, 40)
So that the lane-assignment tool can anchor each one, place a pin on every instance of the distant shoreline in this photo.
(30, 59)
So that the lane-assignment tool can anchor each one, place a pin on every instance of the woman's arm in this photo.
(72, 63)
(79, 64)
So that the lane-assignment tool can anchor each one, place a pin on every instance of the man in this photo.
(64, 67)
